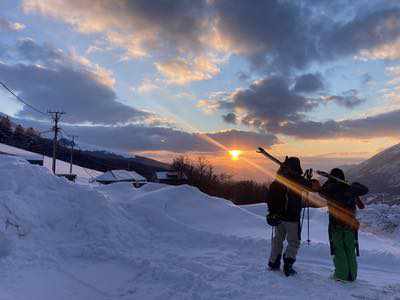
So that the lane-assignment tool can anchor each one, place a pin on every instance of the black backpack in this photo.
(277, 198)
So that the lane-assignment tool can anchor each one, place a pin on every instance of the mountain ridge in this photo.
(381, 172)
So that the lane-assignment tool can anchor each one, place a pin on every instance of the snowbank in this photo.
(159, 242)
(382, 219)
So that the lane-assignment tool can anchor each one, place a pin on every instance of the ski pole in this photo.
(357, 244)
(308, 225)
(272, 238)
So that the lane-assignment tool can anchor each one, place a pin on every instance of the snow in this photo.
(84, 175)
(6, 149)
(120, 175)
(161, 242)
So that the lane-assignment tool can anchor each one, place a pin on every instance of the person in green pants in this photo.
(343, 200)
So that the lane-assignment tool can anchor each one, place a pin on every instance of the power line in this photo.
(69, 135)
(23, 101)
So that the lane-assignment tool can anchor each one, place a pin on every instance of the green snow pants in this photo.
(344, 247)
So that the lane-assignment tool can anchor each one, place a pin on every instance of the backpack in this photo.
(277, 198)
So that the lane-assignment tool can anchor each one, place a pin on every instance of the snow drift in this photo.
(69, 241)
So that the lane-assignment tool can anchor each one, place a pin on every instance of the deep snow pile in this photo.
(84, 175)
(159, 242)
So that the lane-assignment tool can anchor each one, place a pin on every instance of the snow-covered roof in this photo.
(9, 150)
(120, 175)
(165, 175)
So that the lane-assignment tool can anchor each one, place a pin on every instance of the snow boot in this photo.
(275, 265)
(288, 266)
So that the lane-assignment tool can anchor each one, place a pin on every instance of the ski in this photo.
(329, 176)
(266, 154)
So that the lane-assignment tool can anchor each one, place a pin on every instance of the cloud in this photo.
(230, 118)
(274, 104)
(9, 26)
(147, 86)
(171, 32)
(281, 36)
(366, 78)
(388, 51)
(180, 71)
(152, 138)
(366, 31)
(348, 99)
(265, 32)
(273, 35)
(208, 106)
(50, 79)
(380, 125)
(139, 26)
(308, 83)
(268, 102)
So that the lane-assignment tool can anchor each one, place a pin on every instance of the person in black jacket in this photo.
(285, 204)
(342, 200)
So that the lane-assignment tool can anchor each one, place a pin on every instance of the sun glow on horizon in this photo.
(235, 154)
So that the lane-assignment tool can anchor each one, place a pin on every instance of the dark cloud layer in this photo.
(381, 125)
(230, 118)
(49, 79)
(309, 83)
(348, 99)
(146, 138)
(275, 105)
(291, 34)
(178, 22)
(274, 35)
(363, 32)
(267, 32)
(269, 102)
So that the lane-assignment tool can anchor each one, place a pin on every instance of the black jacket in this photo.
(341, 200)
(284, 201)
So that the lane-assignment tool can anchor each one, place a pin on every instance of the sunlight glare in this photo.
(235, 154)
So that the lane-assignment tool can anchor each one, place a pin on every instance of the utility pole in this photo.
(72, 153)
(56, 116)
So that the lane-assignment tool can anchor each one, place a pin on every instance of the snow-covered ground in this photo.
(84, 175)
(160, 242)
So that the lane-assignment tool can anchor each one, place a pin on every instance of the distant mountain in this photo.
(381, 173)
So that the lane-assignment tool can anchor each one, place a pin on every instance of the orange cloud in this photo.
(182, 71)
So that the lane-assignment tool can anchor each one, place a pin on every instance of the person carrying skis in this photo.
(285, 204)
(342, 201)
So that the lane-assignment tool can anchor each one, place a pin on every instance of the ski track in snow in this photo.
(161, 242)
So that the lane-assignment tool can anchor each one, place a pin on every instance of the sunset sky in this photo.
(317, 79)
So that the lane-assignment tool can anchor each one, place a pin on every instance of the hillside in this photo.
(96, 159)
(381, 173)
(73, 241)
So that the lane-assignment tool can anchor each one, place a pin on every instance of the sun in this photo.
(235, 154)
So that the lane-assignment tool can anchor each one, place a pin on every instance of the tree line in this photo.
(202, 174)
(31, 140)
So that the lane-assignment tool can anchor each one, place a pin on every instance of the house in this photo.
(170, 177)
(114, 176)
(33, 158)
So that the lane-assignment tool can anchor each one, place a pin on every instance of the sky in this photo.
(317, 79)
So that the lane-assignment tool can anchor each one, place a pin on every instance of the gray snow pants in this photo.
(290, 232)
